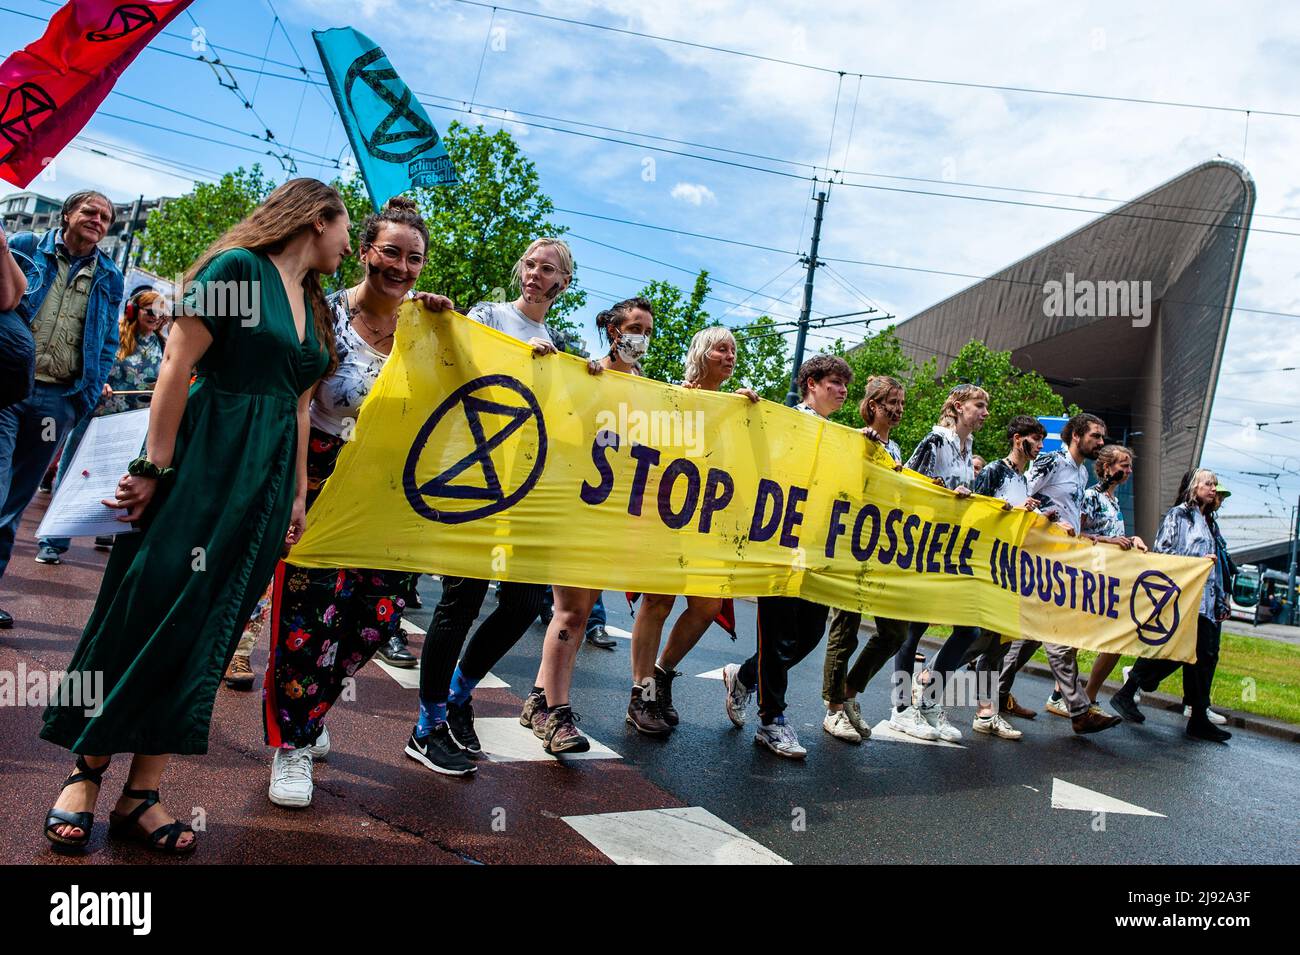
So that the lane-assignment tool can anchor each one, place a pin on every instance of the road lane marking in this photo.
(1069, 796)
(884, 730)
(687, 836)
(409, 678)
(505, 741)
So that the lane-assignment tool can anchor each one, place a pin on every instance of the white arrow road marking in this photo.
(711, 675)
(687, 836)
(885, 730)
(1069, 796)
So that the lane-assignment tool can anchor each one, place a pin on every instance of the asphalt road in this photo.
(707, 793)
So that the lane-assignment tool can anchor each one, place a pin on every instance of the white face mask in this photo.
(632, 348)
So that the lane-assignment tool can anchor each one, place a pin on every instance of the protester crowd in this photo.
(247, 421)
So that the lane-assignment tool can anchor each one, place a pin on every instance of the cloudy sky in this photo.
(919, 117)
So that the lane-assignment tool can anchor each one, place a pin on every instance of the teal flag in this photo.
(395, 143)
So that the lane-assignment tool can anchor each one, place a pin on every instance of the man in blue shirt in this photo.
(71, 303)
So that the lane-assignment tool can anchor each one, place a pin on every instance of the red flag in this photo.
(51, 88)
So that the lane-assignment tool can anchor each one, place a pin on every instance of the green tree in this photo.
(881, 354)
(177, 233)
(357, 201)
(479, 226)
(762, 360)
(678, 317)
(1012, 391)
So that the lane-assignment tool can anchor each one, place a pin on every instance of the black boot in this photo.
(1200, 727)
(1122, 702)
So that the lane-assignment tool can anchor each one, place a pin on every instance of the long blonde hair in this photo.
(960, 394)
(287, 211)
(128, 327)
(703, 342)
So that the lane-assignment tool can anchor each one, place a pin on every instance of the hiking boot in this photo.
(239, 675)
(1011, 707)
(534, 707)
(644, 713)
(560, 735)
(664, 694)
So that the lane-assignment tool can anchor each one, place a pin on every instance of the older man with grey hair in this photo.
(73, 293)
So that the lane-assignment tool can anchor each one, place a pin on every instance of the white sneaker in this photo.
(737, 694)
(291, 778)
(1137, 694)
(854, 713)
(321, 748)
(936, 717)
(780, 738)
(1216, 718)
(839, 726)
(911, 722)
(1057, 707)
(995, 725)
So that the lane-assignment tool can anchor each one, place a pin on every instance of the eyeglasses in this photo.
(546, 268)
(393, 256)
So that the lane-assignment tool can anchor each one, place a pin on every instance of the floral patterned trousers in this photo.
(325, 625)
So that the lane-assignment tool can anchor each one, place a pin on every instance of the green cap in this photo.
(1220, 489)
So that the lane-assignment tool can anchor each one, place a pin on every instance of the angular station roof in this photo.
(1187, 238)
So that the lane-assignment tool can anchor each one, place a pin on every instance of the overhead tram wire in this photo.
(644, 282)
(469, 110)
(883, 76)
(308, 72)
(750, 245)
(679, 268)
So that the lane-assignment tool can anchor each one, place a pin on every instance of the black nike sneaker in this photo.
(460, 720)
(439, 752)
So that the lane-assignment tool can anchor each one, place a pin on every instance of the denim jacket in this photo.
(99, 342)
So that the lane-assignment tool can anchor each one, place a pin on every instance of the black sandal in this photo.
(130, 827)
(65, 817)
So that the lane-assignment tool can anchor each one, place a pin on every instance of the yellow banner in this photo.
(473, 457)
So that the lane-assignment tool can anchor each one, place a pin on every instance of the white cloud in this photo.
(696, 194)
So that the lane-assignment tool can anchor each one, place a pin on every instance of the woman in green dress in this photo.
(221, 490)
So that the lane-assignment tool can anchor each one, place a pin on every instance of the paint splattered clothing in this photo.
(943, 455)
(1059, 484)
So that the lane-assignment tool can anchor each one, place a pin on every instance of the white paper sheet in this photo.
(110, 444)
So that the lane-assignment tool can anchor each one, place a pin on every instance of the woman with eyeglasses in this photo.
(444, 730)
(326, 623)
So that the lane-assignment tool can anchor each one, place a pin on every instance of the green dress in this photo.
(175, 596)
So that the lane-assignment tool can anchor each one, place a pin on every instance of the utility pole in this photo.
(129, 239)
(793, 396)
(1290, 597)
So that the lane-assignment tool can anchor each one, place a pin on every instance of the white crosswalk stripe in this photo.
(687, 836)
